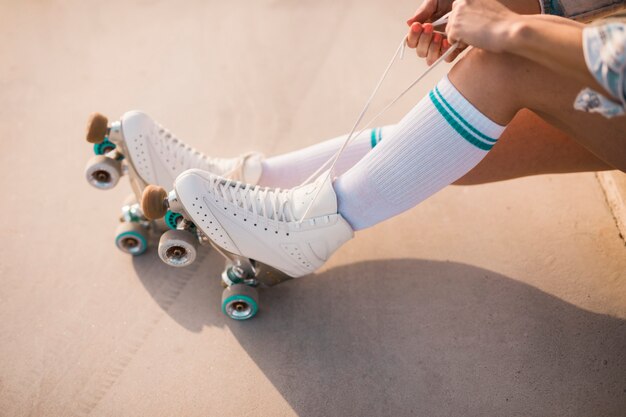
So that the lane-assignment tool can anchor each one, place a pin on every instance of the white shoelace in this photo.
(188, 157)
(399, 53)
(271, 205)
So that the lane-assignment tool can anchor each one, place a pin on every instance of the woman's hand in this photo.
(485, 24)
(428, 42)
(430, 10)
(554, 42)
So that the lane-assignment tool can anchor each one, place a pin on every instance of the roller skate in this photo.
(259, 230)
(136, 146)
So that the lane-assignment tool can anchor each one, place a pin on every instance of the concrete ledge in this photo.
(614, 185)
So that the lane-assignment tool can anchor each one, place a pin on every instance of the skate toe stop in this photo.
(153, 202)
(97, 126)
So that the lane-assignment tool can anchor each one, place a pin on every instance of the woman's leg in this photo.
(292, 168)
(516, 83)
(430, 148)
(531, 146)
(445, 135)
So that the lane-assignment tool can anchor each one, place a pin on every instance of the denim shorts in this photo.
(584, 10)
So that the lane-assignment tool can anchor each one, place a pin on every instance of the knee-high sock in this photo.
(436, 143)
(291, 169)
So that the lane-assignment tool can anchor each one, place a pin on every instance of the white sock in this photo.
(291, 169)
(435, 144)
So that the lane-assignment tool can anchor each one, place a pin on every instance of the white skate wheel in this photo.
(103, 172)
(178, 248)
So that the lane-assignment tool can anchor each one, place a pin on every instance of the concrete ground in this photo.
(506, 299)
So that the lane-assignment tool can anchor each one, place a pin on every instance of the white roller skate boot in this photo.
(153, 155)
(148, 153)
(263, 223)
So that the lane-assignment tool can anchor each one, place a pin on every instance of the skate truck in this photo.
(241, 276)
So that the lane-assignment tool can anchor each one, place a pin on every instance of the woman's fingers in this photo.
(424, 12)
(453, 55)
(423, 43)
(414, 34)
(434, 50)
(446, 45)
(481, 23)
(427, 43)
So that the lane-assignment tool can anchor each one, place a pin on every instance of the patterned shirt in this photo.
(604, 47)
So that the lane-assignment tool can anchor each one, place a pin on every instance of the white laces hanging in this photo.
(399, 52)
(272, 205)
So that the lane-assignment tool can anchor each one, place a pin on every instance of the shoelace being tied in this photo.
(273, 204)
(398, 53)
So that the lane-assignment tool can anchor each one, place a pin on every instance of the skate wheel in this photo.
(153, 202)
(240, 302)
(131, 238)
(103, 172)
(97, 127)
(103, 147)
(171, 219)
(178, 248)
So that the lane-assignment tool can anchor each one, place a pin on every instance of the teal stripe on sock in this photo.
(465, 134)
(380, 135)
(469, 126)
(373, 138)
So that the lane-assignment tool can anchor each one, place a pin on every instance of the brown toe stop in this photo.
(97, 128)
(153, 202)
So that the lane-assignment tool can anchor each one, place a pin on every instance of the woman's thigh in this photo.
(531, 146)
(500, 85)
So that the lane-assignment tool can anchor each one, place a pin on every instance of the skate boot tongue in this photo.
(325, 203)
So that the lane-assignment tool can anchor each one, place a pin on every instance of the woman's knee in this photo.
(491, 82)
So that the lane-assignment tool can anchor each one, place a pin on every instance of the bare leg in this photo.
(530, 146)
(516, 83)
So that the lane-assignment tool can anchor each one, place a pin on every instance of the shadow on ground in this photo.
(418, 337)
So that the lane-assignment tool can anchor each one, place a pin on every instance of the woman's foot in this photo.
(153, 155)
(264, 224)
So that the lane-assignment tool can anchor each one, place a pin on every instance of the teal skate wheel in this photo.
(103, 147)
(171, 219)
(131, 238)
(240, 302)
